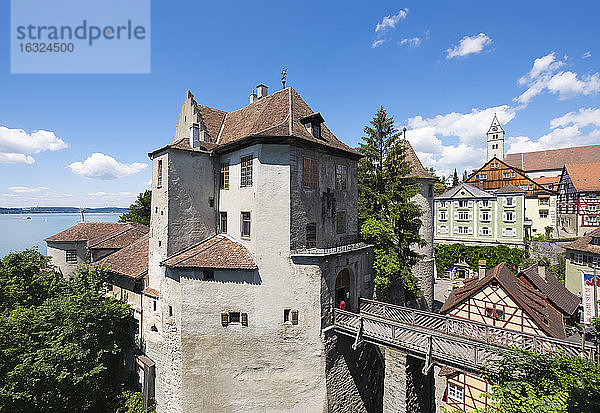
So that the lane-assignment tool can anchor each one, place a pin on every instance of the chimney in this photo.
(195, 135)
(482, 264)
(262, 91)
(253, 97)
(541, 270)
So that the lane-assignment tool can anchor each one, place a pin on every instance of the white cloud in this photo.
(101, 166)
(581, 118)
(468, 129)
(586, 55)
(412, 42)
(469, 45)
(26, 189)
(545, 75)
(389, 22)
(111, 194)
(16, 145)
(15, 158)
(377, 43)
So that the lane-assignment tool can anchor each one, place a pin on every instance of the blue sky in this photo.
(441, 68)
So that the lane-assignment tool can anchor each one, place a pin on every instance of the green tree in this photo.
(455, 180)
(390, 220)
(139, 211)
(465, 176)
(63, 350)
(533, 382)
(439, 187)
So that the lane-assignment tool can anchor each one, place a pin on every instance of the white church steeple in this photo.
(495, 140)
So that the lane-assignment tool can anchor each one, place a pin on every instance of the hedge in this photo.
(447, 255)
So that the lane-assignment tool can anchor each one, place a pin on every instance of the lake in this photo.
(19, 233)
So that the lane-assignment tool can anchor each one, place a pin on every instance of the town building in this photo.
(540, 202)
(89, 242)
(468, 215)
(253, 240)
(582, 257)
(496, 297)
(579, 199)
(541, 164)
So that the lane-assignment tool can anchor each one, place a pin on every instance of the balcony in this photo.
(346, 243)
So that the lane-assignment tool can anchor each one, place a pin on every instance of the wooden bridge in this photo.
(441, 339)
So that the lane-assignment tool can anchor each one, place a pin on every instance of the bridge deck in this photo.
(443, 339)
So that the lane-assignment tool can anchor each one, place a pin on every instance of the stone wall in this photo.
(541, 249)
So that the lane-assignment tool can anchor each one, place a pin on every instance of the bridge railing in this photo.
(472, 330)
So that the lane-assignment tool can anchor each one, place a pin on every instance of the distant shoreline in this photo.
(61, 210)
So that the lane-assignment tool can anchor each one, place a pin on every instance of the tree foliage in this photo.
(455, 180)
(390, 220)
(140, 210)
(447, 255)
(62, 342)
(543, 383)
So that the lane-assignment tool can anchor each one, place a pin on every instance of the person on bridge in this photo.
(342, 305)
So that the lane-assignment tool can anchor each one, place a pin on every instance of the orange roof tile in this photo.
(85, 231)
(119, 239)
(130, 261)
(554, 158)
(585, 176)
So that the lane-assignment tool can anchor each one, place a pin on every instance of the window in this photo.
(509, 216)
(456, 392)
(159, 176)
(543, 214)
(170, 311)
(463, 215)
(71, 256)
(341, 222)
(442, 229)
(286, 315)
(311, 235)
(485, 216)
(316, 130)
(443, 204)
(234, 317)
(578, 259)
(246, 171)
(341, 177)
(485, 231)
(544, 201)
(463, 230)
(246, 224)
(225, 175)
(311, 173)
(154, 304)
(509, 201)
(508, 232)
(482, 177)
(508, 175)
(485, 203)
(494, 165)
(463, 204)
(443, 215)
(208, 275)
(223, 221)
(596, 240)
(495, 313)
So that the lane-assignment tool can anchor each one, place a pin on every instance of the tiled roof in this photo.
(553, 159)
(533, 302)
(585, 176)
(418, 171)
(510, 189)
(547, 180)
(120, 238)
(85, 231)
(277, 115)
(557, 293)
(130, 261)
(151, 292)
(218, 252)
(585, 243)
(475, 192)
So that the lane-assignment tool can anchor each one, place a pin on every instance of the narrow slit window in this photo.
(159, 176)
(246, 224)
(225, 175)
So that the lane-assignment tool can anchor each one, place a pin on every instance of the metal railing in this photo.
(450, 341)
(344, 244)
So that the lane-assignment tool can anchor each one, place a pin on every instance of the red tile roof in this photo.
(130, 261)
(119, 239)
(548, 180)
(418, 171)
(553, 159)
(585, 243)
(275, 116)
(151, 292)
(557, 293)
(531, 301)
(218, 252)
(86, 231)
(585, 176)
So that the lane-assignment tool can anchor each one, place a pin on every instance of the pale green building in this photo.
(467, 215)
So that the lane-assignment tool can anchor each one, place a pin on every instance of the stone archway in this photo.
(343, 288)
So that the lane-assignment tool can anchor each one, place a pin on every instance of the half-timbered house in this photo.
(540, 202)
(499, 298)
(579, 199)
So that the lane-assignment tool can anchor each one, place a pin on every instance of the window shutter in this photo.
(224, 319)
(480, 231)
(470, 203)
(470, 230)
(245, 319)
(572, 256)
(470, 214)
(294, 317)
(456, 230)
(504, 201)
(503, 232)
(455, 215)
(456, 203)
(504, 216)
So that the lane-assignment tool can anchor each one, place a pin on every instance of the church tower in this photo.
(495, 140)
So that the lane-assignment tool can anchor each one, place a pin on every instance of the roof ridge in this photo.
(113, 235)
(198, 252)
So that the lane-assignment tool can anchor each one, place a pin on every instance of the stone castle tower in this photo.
(495, 140)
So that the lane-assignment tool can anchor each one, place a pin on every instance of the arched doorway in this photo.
(342, 288)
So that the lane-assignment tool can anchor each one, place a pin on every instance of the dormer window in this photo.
(312, 123)
(596, 240)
